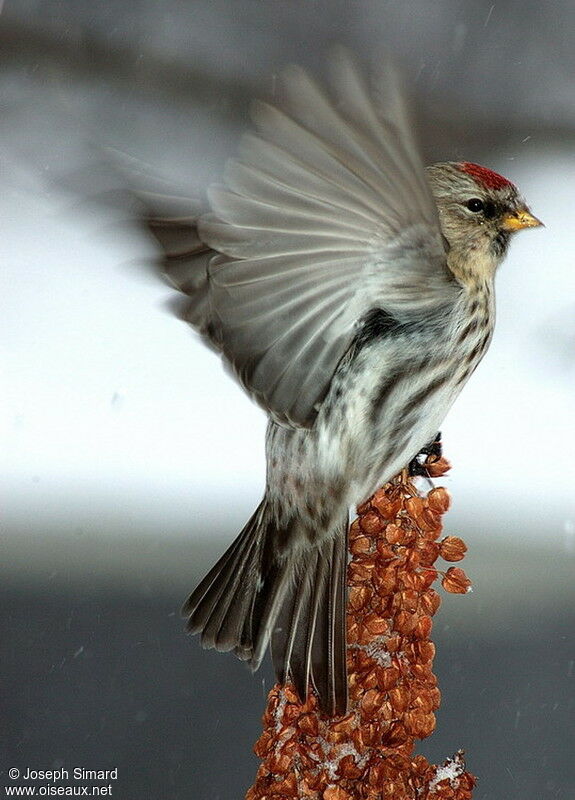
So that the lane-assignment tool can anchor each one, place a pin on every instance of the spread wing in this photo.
(325, 215)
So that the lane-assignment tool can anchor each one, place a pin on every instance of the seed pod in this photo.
(388, 507)
(456, 581)
(452, 548)
(359, 545)
(439, 500)
(309, 724)
(371, 523)
(437, 468)
(423, 627)
(359, 596)
(428, 553)
(430, 602)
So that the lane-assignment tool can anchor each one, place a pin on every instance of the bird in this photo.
(349, 290)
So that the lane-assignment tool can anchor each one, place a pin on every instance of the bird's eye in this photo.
(475, 204)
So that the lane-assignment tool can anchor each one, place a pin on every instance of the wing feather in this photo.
(325, 215)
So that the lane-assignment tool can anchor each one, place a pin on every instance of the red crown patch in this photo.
(488, 178)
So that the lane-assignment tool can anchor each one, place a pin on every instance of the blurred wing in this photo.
(172, 221)
(326, 214)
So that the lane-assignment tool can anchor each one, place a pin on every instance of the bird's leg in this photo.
(417, 465)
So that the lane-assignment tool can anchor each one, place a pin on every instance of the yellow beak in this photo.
(522, 218)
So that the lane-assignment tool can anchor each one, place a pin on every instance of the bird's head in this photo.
(478, 212)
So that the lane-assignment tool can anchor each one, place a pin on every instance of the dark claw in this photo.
(417, 465)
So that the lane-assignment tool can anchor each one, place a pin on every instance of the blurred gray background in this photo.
(130, 460)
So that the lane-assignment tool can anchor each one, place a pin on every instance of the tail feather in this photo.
(330, 678)
(309, 638)
(269, 602)
(252, 596)
(215, 594)
(224, 627)
(301, 640)
(289, 624)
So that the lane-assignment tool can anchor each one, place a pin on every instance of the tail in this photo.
(256, 594)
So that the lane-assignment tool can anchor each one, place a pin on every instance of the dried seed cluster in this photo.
(368, 754)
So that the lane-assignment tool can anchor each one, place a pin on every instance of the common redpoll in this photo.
(350, 290)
